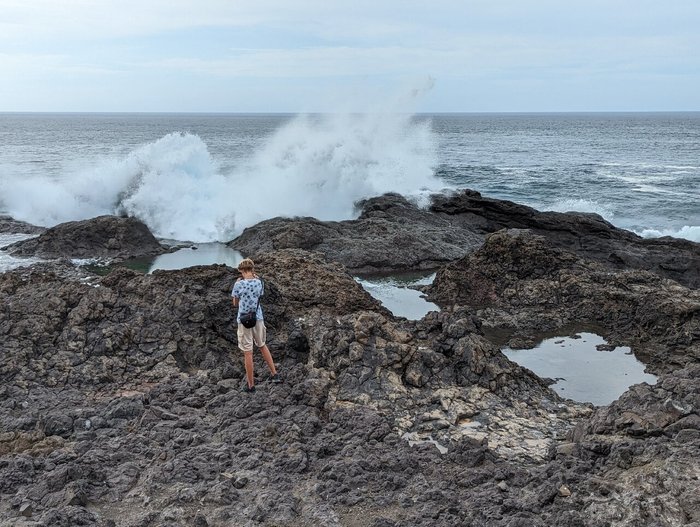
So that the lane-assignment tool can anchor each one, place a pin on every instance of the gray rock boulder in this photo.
(587, 235)
(104, 237)
(12, 226)
(391, 234)
(518, 283)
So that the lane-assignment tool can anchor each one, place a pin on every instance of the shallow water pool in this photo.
(582, 372)
(395, 293)
(204, 254)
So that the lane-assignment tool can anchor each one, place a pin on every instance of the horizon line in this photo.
(511, 112)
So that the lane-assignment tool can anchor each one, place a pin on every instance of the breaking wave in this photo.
(313, 166)
(689, 232)
(581, 205)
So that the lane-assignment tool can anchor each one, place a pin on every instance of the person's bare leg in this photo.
(248, 360)
(268, 359)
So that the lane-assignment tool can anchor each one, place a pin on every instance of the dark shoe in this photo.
(276, 378)
(248, 389)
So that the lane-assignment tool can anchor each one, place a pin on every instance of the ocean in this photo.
(205, 177)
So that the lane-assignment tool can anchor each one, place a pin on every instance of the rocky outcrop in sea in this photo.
(392, 234)
(121, 401)
(101, 238)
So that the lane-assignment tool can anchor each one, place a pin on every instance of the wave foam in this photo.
(314, 165)
(581, 205)
(688, 232)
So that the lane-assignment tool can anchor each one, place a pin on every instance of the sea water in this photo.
(7, 261)
(580, 370)
(399, 294)
(204, 178)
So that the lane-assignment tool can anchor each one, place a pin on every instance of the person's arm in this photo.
(234, 298)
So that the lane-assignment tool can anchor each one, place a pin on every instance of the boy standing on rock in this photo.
(245, 296)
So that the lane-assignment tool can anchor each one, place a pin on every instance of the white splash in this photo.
(581, 205)
(8, 262)
(313, 166)
(688, 232)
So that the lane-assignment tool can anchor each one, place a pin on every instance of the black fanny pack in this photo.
(249, 319)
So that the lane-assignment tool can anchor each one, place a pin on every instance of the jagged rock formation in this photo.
(10, 225)
(121, 405)
(588, 235)
(104, 237)
(392, 234)
(120, 400)
(519, 283)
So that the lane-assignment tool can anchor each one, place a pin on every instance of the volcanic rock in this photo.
(10, 225)
(120, 400)
(519, 283)
(390, 234)
(393, 234)
(103, 237)
(588, 235)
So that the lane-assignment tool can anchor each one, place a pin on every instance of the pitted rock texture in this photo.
(121, 405)
(390, 234)
(518, 282)
(12, 226)
(585, 234)
(103, 237)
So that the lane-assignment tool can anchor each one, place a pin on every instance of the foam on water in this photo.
(8, 262)
(581, 205)
(313, 166)
(237, 170)
(689, 232)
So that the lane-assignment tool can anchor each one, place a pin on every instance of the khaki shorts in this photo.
(248, 336)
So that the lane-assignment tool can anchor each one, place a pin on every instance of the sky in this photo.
(325, 55)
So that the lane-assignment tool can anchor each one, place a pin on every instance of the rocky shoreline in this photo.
(120, 400)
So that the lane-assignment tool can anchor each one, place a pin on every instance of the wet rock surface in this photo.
(104, 237)
(588, 235)
(121, 401)
(390, 234)
(10, 225)
(393, 234)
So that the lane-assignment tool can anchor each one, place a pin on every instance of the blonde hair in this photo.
(246, 265)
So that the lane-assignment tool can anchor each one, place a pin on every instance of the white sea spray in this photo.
(313, 166)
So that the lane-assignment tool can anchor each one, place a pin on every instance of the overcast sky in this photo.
(325, 55)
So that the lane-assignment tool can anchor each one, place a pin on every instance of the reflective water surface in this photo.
(395, 293)
(582, 372)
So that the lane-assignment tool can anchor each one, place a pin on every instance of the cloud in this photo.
(264, 42)
(94, 19)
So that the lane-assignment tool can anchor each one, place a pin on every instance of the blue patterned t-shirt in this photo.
(248, 291)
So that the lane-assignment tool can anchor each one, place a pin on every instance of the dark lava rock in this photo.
(390, 234)
(125, 389)
(10, 225)
(588, 235)
(120, 400)
(521, 283)
(105, 237)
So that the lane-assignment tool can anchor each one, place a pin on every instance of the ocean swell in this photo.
(312, 166)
